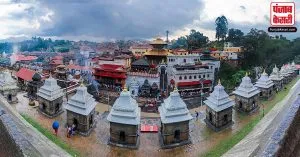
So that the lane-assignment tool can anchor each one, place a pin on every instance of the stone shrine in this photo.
(50, 98)
(219, 109)
(124, 119)
(34, 85)
(175, 119)
(81, 111)
(265, 85)
(276, 78)
(246, 96)
(8, 87)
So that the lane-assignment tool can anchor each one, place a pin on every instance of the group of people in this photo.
(71, 130)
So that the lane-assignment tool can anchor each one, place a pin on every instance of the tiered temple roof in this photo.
(275, 75)
(174, 109)
(125, 110)
(82, 102)
(246, 88)
(50, 90)
(219, 100)
(6, 81)
(264, 81)
(283, 72)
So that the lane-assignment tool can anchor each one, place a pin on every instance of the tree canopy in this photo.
(235, 36)
(221, 27)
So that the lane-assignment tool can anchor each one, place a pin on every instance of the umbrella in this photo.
(55, 125)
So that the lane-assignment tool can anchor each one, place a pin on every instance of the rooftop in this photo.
(174, 109)
(50, 90)
(264, 81)
(125, 110)
(219, 100)
(246, 88)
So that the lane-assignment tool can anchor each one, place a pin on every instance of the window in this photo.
(203, 76)
(185, 77)
(184, 60)
(190, 77)
(207, 75)
(195, 77)
(122, 136)
(211, 67)
(199, 76)
(180, 78)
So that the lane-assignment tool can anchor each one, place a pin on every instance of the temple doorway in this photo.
(56, 107)
(122, 136)
(240, 104)
(225, 118)
(91, 121)
(177, 135)
(210, 116)
(9, 97)
(253, 104)
(43, 106)
(75, 122)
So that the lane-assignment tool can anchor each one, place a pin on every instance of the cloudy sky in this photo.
(99, 20)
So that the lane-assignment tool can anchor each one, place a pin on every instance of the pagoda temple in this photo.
(175, 119)
(8, 87)
(158, 54)
(219, 109)
(276, 78)
(284, 74)
(246, 96)
(265, 85)
(124, 119)
(34, 85)
(81, 111)
(50, 98)
(110, 76)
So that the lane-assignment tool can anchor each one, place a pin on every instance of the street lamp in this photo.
(201, 93)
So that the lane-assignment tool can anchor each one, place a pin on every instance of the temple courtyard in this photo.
(203, 138)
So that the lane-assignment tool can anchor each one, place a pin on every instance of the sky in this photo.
(105, 20)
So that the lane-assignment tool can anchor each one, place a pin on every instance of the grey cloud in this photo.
(119, 19)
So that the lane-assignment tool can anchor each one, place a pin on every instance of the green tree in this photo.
(235, 36)
(181, 42)
(196, 40)
(221, 27)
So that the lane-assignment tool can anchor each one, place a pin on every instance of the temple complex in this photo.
(34, 85)
(246, 96)
(50, 98)
(8, 87)
(81, 111)
(276, 78)
(219, 109)
(265, 85)
(124, 119)
(175, 119)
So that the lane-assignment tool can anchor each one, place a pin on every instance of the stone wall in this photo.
(12, 140)
(285, 140)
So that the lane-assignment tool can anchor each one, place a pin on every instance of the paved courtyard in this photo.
(202, 137)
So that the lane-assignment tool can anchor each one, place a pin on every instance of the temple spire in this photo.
(246, 74)
(125, 89)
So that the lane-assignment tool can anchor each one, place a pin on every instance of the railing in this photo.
(191, 71)
(142, 74)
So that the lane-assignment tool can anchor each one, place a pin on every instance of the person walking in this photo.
(197, 114)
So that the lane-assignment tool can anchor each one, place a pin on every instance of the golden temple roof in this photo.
(158, 41)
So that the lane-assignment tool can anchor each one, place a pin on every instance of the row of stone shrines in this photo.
(247, 96)
(80, 107)
(124, 121)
